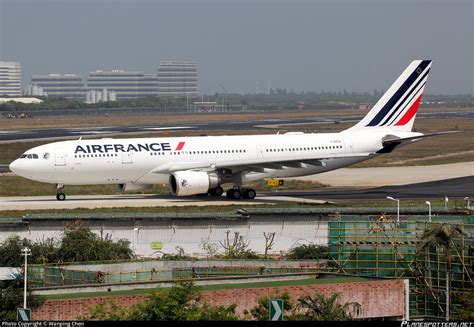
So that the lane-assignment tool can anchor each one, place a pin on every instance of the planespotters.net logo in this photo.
(436, 324)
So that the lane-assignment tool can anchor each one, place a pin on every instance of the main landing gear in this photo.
(60, 195)
(237, 193)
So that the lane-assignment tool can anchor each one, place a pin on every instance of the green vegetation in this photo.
(308, 251)
(320, 308)
(77, 244)
(184, 302)
(179, 303)
(11, 298)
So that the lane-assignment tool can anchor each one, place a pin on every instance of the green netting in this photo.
(383, 248)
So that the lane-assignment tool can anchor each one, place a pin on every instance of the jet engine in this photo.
(134, 187)
(192, 182)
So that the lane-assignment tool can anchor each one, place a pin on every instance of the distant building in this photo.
(125, 84)
(68, 86)
(365, 106)
(95, 96)
(10, 78)
(177, 78)
(35, 90)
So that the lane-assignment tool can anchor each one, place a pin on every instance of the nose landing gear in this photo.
(60, 195)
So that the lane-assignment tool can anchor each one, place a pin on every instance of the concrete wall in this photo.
(381, 298)
(189, 233)
(168, 265)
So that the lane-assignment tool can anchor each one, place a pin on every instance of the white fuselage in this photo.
(152, 160)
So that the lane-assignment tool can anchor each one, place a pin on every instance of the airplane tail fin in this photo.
(396, 110)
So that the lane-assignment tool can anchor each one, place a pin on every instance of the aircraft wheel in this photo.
(250, 194)
(218, 191)
(61, 196)
(237, 194)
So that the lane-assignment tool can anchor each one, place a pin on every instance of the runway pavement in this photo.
(456, 187)
(134, 201)
(384, 176)
(106, 131)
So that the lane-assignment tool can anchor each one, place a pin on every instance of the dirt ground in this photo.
(182, 118)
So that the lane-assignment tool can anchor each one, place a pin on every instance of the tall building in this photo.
(68, 86)
(10, 78)
(125, 84)
(177, 78)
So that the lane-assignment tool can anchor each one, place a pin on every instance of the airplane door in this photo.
(59, 157)
(127, 157)
(259, 151)
(348, 145)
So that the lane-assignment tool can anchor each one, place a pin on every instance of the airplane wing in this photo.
(242, 164)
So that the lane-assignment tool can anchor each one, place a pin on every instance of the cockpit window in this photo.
(30, 156)
(35, 156)
(23, 156)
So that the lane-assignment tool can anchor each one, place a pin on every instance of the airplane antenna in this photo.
(80, 137)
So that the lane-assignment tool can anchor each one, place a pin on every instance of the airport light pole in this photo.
(26, 252)
(398, 207)
(429, 210)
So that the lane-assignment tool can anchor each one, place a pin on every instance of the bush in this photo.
(308, 251)
(11, 298)
(179, 303)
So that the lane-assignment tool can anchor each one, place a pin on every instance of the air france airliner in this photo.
(200, 165)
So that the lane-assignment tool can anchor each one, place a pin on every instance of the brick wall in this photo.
(381, 298)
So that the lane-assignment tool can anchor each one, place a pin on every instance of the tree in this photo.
(269, 242)
(237, 248)
(442, 235)
(10, 252)
(321, 308)
(92, 247)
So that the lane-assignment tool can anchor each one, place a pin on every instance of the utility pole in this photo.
(26, 252)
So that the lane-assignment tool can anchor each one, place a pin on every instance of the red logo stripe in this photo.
(410, 113)
(180, 146)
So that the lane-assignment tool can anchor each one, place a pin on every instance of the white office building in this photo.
(35, 90)
(68, 86)
(124, 84)
(177, 78)
(95, 96)
(10, 78)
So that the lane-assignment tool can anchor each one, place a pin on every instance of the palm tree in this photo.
(442, 235)
(319, 307)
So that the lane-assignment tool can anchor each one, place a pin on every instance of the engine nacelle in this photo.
(134, 187)
(192, 182)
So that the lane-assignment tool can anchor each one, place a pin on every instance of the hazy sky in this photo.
(297, 45)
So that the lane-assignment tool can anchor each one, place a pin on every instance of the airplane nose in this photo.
(18, 168)
(14, 166)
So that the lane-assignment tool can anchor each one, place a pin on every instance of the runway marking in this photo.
(167, 128)
(98, 132)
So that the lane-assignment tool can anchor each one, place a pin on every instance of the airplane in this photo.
(200, 165)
